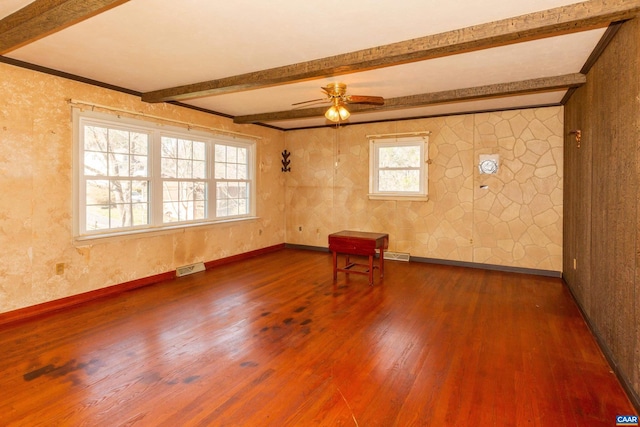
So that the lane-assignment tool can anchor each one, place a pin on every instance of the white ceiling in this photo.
(146, 45)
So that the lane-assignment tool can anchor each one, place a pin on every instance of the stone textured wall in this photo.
(516, 221)
(36, 202)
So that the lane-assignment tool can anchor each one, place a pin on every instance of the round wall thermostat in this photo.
(488, 166)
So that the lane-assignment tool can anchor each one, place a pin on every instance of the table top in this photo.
(359, 234)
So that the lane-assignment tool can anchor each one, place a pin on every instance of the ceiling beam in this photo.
(544, 84)
(562, 20)
(44, 17)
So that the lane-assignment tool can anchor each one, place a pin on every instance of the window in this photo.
(398, 167)
(135, 176)
(115, 179)
(184, 179)
(232, 180)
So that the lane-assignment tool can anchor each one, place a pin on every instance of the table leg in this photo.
(381, 262)
(371, 270)
(335, 265)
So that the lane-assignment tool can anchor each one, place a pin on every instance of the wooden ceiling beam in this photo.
(562, 20)
(545, 84)
(44, 17)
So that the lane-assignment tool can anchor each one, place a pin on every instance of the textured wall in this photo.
(516, 221)
(602, 231)
(36, 201)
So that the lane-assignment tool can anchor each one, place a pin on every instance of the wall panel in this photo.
(605, 188)
(516, 221)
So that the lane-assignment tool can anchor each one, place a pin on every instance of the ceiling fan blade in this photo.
(308, 104)
(312, 100)
(360, 99)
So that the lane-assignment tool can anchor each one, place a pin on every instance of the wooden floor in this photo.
(272, 341)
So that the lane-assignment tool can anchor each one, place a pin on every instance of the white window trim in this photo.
(387, 141)
(155, 130)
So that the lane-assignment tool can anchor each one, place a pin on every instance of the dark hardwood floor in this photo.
(272, 341)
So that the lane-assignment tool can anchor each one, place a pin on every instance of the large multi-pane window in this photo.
(398, 167)
(134, 176)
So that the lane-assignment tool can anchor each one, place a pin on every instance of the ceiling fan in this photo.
(337, 96)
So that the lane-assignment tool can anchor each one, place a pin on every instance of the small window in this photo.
(398, 167)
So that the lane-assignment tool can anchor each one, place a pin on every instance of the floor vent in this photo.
(397, 256)
(190, 269)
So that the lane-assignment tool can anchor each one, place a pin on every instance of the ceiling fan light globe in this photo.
(333, 114)
(337, 113)
(343, 112)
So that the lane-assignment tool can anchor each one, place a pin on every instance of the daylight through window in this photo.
(398, 167)
(133, 176)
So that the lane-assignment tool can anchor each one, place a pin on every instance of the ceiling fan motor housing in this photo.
(336, 90)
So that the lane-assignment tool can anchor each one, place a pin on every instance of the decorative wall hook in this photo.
(578, 134)
(286, 161)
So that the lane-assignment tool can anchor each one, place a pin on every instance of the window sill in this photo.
(399, 197)
(88, 239)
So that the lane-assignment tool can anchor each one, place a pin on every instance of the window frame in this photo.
(159, 209)
(155, 132)
(81, 181)
(375, 144)
(217, 180)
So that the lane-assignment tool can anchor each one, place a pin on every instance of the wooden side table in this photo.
(358, 243)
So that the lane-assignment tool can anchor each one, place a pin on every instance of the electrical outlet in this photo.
(300, 228)
(59, 268)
